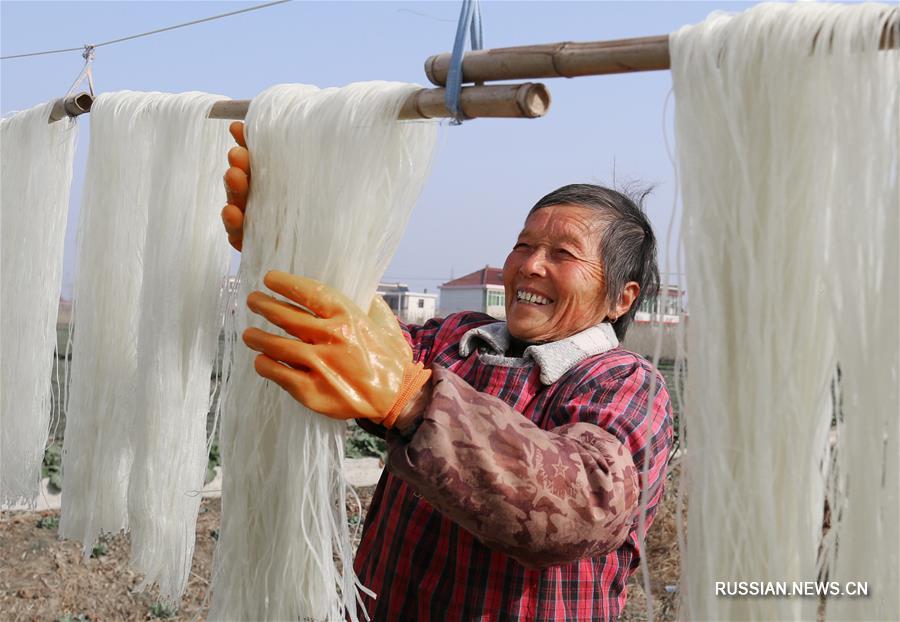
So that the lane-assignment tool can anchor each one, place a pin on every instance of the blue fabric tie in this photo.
(469, 22)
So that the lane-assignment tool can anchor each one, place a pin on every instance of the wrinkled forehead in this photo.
(567, 222)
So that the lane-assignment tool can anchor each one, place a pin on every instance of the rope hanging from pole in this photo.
(469, 21)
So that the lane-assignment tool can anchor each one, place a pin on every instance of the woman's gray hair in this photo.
(628, 246)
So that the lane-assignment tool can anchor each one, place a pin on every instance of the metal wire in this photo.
(148, 33)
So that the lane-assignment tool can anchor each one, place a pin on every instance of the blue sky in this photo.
(488, 172)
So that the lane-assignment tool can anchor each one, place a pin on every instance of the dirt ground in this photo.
(43, 578)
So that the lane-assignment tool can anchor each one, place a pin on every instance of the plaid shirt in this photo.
(425, 566)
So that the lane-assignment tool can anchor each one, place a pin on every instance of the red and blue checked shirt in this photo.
(515, 498)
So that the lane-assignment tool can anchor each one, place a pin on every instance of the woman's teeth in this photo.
(532, 298)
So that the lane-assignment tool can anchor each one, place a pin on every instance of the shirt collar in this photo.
(555, 358)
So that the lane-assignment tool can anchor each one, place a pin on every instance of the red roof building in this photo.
(481, 290)
(486, 276)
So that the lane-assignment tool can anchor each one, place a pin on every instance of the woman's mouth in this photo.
(531, 298)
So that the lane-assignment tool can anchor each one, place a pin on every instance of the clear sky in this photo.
(487, 173)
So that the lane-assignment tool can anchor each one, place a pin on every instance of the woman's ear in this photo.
(626, 299)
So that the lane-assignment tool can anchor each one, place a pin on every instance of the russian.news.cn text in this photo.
(819, 589)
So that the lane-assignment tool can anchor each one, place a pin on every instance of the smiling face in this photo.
(553, 277)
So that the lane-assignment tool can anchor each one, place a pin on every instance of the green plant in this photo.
(162, 611)
(52, 467)
(100, 549)
(48, 522)
(361, 444)
(68, 617)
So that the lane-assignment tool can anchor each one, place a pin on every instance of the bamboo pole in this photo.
(570, 60)
(556, 60)
(524, 101)
(528, 100)
(71, 106)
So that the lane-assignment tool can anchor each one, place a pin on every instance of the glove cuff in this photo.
(414, 378)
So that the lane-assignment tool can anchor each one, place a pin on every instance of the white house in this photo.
(410, 307)
(481, 290)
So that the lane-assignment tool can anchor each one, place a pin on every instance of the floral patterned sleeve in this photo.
(544, 497)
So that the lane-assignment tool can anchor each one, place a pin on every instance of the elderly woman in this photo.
(519, 451)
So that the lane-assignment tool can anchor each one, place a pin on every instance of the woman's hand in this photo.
(344, 363)
(237, 186)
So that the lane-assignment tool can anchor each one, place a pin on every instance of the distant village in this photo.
(483, 291)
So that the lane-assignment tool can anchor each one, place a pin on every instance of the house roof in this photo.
(486, 276)
(392, 288)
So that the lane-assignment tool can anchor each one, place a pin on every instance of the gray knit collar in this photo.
(554, 358)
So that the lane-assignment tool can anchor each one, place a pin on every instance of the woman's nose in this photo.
(534, 264)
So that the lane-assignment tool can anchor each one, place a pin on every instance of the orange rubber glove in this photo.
(344, 363)
(237, 187)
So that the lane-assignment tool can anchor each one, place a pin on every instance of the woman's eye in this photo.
(564, 253)
(520, 246)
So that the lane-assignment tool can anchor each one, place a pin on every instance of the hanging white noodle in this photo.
(36, 163)
(786, 123)
(150, 264)
(112, 228)
(864, 544)
(110, 241)
(185, 263)
(335, 177)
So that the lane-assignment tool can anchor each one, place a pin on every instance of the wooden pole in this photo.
(556, 60)
(528, 100)
(71, 106)
(570, 60)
